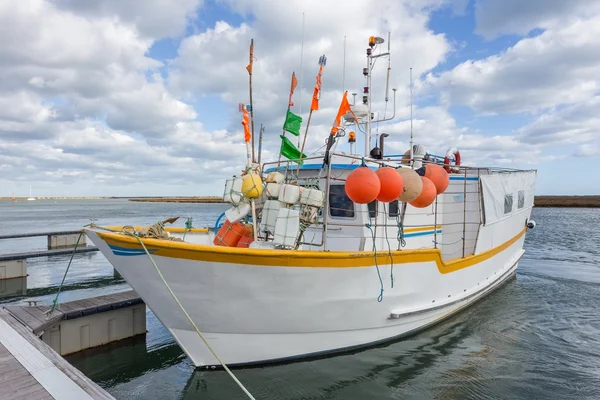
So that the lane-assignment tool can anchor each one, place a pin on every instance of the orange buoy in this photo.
(413, 185)
(427, 195)
(362, 185)
(438, 176)
(230, 234)
(391, 184)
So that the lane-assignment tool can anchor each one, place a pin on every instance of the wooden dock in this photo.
(36, 319)
(31, 370)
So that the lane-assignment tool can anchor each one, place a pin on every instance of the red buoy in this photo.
(438, 176)
(427, 196)
(362, 185)
(392, 184)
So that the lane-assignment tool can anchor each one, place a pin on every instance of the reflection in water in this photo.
(120, 362)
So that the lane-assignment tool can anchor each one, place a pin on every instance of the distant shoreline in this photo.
(539, 201)
(567, 201)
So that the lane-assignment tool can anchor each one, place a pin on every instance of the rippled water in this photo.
(538, 337)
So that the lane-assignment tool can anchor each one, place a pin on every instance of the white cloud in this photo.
(574, 124)
(497, 17)
(84, 109)
(200, 68)
(153, 18)
(557, 67)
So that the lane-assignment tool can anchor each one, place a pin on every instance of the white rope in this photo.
(190, 319)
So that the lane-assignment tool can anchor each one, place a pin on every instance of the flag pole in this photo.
(249, 68)
(260, 136)
(293, 85)
(249, 161)
(279, 159)
(304, 140)
(315, 102)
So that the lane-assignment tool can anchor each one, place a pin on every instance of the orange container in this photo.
(230, 234)
(247, 238)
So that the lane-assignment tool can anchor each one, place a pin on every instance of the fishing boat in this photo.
(332, 252)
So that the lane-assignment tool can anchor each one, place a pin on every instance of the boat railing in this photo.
(314, 172)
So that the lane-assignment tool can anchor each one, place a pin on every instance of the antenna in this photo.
(387, 82)
(344, 70)
(411, 115)
(301, 70)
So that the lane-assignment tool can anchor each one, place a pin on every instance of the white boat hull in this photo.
(255, 314)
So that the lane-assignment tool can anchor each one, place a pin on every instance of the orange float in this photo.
(362, 185)
(230, 234)
(427, 196)
(391, 184)
(438, 176)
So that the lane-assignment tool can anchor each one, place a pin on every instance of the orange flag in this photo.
(315, 100)
(344, 108)
(292, 87)
(246, 124)
(314, 105)
(249, 67)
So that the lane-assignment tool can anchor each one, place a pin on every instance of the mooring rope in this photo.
(55, 303)
(125, 231)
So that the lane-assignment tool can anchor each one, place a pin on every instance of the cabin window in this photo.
(340, 204)
(394, 210)
(508, 203)
(521, 200)
(372, 209)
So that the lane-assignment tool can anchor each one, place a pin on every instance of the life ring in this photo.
(449, 153)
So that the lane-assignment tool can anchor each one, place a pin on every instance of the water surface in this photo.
(538, 337)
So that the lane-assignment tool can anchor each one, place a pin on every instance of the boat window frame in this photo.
(389, 210)
(508, 203)
(330, 202)
(373, 212)
(520, 199)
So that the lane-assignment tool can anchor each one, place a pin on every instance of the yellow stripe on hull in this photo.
(301, 258)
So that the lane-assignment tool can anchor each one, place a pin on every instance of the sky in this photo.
(140, 97)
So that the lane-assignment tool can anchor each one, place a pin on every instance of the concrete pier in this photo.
(83, 324)
(61, 241)
(12, 268)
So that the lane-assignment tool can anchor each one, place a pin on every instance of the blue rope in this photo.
(188, 226)
(218, 220)
(389, 249)
(380, 297)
